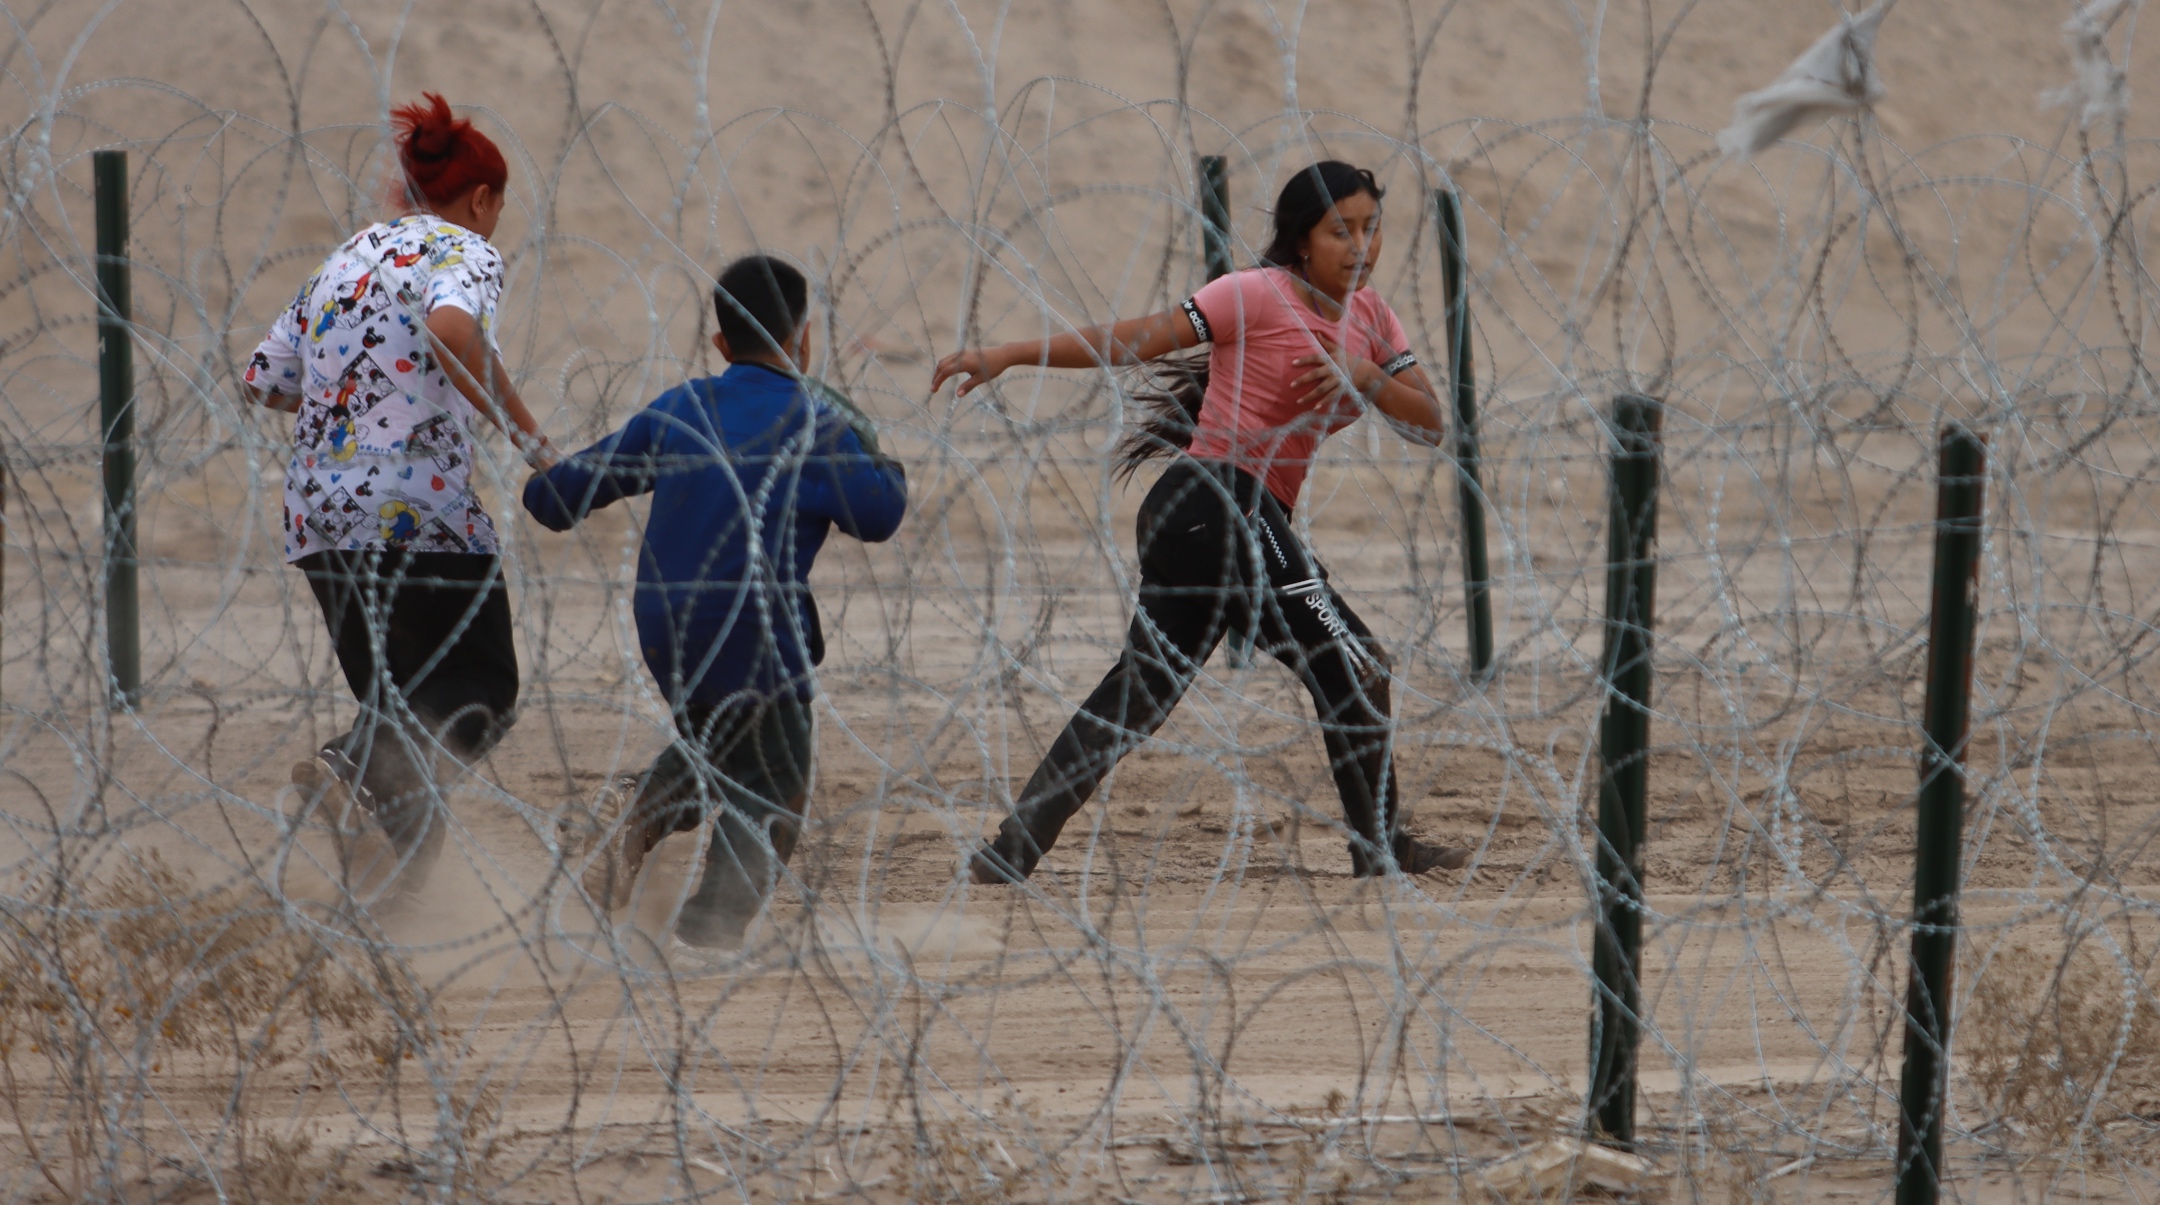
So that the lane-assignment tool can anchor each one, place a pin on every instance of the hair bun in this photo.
(443, 155)
(430, 131)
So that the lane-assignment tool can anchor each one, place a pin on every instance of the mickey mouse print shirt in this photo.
(382, 456)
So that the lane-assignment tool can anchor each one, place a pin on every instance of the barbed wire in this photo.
(1192, 1000)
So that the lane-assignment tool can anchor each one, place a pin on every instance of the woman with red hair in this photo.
(386, 357)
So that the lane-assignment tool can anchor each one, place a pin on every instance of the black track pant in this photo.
(425, 641)
(747, 766)
(1217, 555)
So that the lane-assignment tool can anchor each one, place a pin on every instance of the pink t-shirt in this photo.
(1259, 325)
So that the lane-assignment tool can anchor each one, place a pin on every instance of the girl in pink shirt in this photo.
(1300, 347)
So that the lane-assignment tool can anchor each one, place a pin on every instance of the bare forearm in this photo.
(455, 339)
(1132, 341)
(1412, 409)
(513, 404)
(1407, 398)
(478, 375)
(524, 430)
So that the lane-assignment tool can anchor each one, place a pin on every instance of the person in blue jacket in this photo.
(749, 472)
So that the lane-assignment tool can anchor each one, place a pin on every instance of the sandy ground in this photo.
(1192, 1000)
(1188, 983)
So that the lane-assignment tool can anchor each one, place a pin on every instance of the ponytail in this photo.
(1169, 410)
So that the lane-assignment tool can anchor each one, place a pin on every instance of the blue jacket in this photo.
(749, 471)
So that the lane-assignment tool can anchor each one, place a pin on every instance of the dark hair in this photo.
(1304, 202)
(444, 157)
(760, 302)
(1170, 407)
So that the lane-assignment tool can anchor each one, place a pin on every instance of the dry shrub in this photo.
(1314, 1176)
(277, 1169)
(1729, 1157)
(966, 1161)
(149, 957)
(2057, 1043)
(1311, 1176)
(961, 1165)
(104, 988)
(479, 1133)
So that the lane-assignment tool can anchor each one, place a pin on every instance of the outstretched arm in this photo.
(1133, 341)
(623, 465)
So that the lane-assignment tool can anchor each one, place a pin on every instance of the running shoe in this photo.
(612, 869)
(368, 863)
(686, 959)
(989, 864)
(1415, 857)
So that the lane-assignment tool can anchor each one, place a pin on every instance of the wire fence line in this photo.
(1192, 1000)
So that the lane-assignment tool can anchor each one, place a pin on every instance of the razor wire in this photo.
(1191, 1000)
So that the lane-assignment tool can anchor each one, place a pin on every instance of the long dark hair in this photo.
(1168, 404)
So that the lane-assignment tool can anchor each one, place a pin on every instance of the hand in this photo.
(539, 453)
(283, 403)
(979, 366)
(1331, 372)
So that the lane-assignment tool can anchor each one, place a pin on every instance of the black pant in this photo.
(747, 766)
(425, 642)
(1217, 554)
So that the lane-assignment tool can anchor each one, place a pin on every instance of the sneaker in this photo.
(1003, 859)
(612, 868)
(667, 876)
(1415, 857)
(988, 866)
(367, 863)
(686, 959)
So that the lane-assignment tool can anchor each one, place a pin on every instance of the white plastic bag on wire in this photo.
(1836, 75)
(2101, 90)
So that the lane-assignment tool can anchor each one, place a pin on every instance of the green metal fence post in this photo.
(116, 426)
(1960, 486)
(1623, 771)
(5, 532)
(1215, 248)
(1215, 214)
(1477, 574)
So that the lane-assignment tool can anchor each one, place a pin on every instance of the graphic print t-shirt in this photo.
(382, 457)
(1259, 326)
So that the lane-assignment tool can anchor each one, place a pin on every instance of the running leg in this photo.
(1192, 565)
(1165, 646)
(425, 643)
(669, 797)
(1307, 626)
(763, 775)
(450, 652)
(347, 588)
